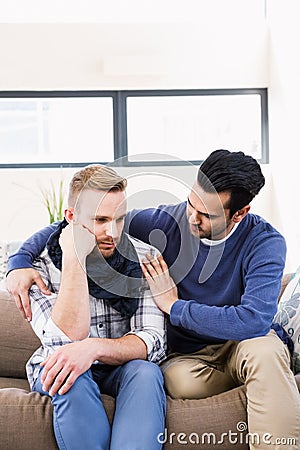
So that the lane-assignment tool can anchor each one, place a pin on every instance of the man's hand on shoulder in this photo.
(18, 283)
(162, 286)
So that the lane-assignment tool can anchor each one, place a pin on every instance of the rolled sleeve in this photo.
(156, 351)
(53, 336)
(50, 335)
(149, 324)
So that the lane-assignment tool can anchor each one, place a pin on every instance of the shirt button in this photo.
(100, 325)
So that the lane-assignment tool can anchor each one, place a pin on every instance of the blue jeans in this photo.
(79, 418)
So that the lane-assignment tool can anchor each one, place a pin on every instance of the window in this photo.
(56, 131)
(52, 129)
(193, 125)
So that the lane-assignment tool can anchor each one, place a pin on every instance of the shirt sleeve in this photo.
(30, 249)
(138, 223)
(149, 324)
(142, 224)
(50, 335)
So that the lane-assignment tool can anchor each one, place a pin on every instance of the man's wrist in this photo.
(74, 260)
(95, 348)
(169, 306)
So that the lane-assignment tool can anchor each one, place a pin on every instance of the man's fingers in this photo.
(58, 381)
(19, 282)
(68, 383)
(162, 263)
(26, 305)
(43, 363)
(49, 375)
(148, 266)
(48, 364)
(158, 263)
(145, 272)
(153, 261)
(23, 304)
(19, 305)
(41, 285)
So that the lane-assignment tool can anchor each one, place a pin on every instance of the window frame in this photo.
(120, 139)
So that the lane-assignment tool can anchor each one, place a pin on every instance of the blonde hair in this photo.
(97, 177)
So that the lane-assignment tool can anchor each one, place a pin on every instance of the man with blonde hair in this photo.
(99, 328)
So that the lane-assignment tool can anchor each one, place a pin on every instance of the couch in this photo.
(26, 417)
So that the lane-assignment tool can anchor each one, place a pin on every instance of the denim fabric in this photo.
(80, 420)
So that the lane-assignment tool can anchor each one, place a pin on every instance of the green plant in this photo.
(53, 199)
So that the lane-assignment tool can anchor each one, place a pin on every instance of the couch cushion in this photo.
(26, 420)
(188, 421)
(195, 418)
(200, 423)
(19, 383)
(17, 339)
(288, 315)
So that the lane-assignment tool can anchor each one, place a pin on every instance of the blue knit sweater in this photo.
(226, 291)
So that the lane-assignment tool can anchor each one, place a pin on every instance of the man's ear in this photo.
(69, 214)
(241, 213)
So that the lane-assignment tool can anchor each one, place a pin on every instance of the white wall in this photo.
(198, 51)
(131, 11)
(202, 54)
(284, 100)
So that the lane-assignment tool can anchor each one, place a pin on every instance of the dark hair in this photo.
(235, 172)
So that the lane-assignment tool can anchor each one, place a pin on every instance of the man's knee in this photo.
(265, 347)
(145, 371)
(266, 353)
(83, 387)
(182, 381)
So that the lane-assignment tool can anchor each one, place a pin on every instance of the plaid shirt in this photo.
(148, 322)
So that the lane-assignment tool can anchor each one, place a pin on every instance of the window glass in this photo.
(190, 127)
(133, 127)
(45, 130)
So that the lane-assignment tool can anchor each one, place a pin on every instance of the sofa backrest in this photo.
(17, 339)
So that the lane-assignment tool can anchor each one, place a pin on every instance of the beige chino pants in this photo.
(263, 365)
